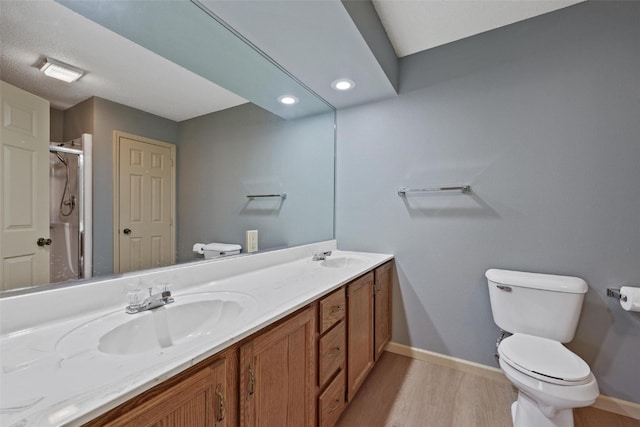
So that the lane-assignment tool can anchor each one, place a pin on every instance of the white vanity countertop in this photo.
(40, 385)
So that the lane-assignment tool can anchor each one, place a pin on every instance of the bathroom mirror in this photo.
(197, 86)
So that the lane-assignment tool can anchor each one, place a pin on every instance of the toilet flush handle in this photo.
(504, 288)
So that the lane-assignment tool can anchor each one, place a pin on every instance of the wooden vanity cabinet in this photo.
(332, 354)
(382, 307)
(360, 330)
(278, 374)
(202, 396)
(368, 323)
(299, 372)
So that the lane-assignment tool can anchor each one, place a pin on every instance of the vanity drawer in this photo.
(331, 403)
(332, 309)
(331, 353)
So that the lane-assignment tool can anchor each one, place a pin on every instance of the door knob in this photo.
(42, 241)
(127, 231)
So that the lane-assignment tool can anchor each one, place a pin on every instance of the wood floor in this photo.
(405, 392)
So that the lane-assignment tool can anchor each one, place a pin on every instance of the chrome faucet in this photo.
(320, 256)
(152, 301)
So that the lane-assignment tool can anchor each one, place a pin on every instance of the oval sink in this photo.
(191, 316)
(342, 262)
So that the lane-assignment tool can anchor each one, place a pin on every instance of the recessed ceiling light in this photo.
(61, 71)
(287, 99)
(343, 84)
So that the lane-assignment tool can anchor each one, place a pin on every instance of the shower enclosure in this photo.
(70, 209)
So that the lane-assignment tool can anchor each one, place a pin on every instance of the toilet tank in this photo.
(543, 305)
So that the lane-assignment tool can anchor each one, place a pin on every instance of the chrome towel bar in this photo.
(257, 196)
(402, 191)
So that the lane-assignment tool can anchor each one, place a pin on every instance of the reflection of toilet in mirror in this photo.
(541, 311)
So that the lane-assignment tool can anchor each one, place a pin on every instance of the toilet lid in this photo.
(544, 359)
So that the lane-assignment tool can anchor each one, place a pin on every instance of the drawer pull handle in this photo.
(336, 309)
(252, 380)
(334, 352)
(220, 410)
(335, 406)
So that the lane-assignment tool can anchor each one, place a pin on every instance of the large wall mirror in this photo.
(176, 130)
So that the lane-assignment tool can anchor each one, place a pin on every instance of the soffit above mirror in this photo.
(188, 34)
(116, 68)
(320, 42)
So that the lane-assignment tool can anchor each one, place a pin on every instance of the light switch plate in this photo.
(251, 240)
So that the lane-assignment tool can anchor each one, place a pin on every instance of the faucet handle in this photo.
(320, 255)
(160, 289)
(135, 297)
(165, 287)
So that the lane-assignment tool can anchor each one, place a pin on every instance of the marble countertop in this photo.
(42, 385)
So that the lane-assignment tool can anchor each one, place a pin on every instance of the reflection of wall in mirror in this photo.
(237, 151)
(226, 155)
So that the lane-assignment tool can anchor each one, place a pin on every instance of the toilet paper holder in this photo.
(615, 293)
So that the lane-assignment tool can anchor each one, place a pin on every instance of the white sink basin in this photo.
(190, 316)
(342, 262)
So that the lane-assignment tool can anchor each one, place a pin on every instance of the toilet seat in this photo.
(544, 359)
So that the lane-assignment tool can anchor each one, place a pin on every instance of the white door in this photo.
(146, 203)
(24, 188)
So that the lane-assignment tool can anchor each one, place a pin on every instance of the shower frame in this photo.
(85, 201)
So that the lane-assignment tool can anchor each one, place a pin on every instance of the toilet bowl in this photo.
(551, 381)
(541, 311)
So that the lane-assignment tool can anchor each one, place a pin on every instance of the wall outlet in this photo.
(251, 240)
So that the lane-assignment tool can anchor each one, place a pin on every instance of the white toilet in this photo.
(542, 312)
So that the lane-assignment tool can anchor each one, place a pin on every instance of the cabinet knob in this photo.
(335, 405)
(334, 352)
(336, 309)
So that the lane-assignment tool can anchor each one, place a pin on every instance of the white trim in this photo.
(448, 361)
(605, 403)
(618, 406)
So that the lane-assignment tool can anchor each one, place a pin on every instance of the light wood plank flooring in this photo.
(405, 392)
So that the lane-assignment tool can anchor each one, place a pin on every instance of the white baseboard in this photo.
(606, 403)
(618, 406)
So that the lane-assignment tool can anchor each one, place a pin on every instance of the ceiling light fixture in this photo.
(288, 100)
(61, 71)
(343, 84)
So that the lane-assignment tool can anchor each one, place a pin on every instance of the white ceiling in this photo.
(117, 69)
(417, 25)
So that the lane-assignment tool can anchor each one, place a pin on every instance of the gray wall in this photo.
(542, 118)
(56, 125)
(224, 156)
(101, 117)
(78, 120)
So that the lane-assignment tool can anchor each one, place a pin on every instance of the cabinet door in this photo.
(206, 398)
(360, 332)
(278, 375)
(382, 297)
